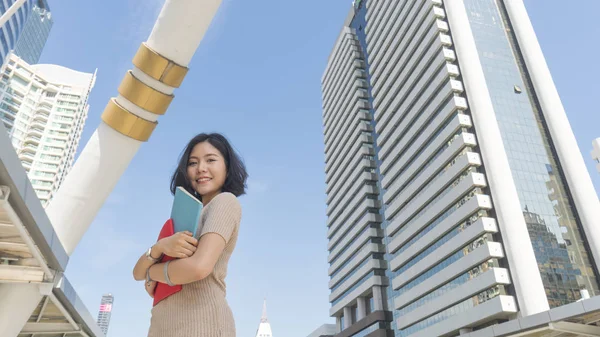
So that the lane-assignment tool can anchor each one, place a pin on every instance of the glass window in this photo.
(564, 262)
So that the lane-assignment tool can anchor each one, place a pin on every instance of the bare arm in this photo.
(143, 263)
(220, 224)
(179, 245)
(194, 268)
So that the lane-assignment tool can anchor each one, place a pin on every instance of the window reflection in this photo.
(562, 258)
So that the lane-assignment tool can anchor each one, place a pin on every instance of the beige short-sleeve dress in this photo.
(200, 308)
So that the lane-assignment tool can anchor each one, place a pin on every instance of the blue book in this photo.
(185, 212)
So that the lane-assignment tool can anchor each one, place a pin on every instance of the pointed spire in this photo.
(263, 318)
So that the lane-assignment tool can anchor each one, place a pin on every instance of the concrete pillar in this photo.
(517, 244)
(361, 308)
(338, 324)
(379, 303)
(347, 317)
(129, 119)
(17, 302)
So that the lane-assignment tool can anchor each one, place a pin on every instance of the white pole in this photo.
(523, 266)
(571, 160)
(128, 121)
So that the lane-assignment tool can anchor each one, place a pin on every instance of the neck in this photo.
(207, 198)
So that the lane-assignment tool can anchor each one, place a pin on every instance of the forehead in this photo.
(204, 149)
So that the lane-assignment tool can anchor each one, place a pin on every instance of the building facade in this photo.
(325, 330)
(104, 313)
(33, 38)
(596, 152)
(457, 197)
(14, 21)
(44, 109)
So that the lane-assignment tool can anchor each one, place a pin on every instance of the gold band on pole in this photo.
(127, 123)
(145, 97)
(158, 67)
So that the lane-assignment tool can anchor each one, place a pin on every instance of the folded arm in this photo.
(194, 268)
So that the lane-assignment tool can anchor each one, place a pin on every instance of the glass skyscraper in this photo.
(16, 24)
(35, 33)
(457, 196)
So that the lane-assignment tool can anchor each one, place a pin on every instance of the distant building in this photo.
(44, 108)
(105, 311)
(35, 33)
(264, 328)
(596, 152)
(325, 330)
(19, 33)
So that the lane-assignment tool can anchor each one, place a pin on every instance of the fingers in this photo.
(187, 252)
(150, 288)
(192, 240)
(190, 247)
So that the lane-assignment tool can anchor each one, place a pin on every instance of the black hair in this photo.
(235, 182)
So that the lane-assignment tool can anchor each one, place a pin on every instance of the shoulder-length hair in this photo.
(235, 182)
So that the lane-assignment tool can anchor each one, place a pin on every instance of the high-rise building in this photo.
(35, 33)
(264, 328)
(457, 196)
(44, 108)
(596, 152)
(105, 311)
(14, 20)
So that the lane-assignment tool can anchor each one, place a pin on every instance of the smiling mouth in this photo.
(203, 180)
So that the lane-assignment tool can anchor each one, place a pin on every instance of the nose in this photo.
(201, 166)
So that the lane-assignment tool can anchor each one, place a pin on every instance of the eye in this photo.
(192, 163)
(211, 160)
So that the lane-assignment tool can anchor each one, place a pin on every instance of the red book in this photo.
(163, 290)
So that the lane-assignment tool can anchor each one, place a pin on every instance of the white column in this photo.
(347, 317)
(338, 324)
(361, 310)
(17, 302)
(379, 303)
(565, 144)
(176, 35)
(518, 248)
(596, 152)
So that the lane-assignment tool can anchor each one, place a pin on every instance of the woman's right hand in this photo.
(179, 245)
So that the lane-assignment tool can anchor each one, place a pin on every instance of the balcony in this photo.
(35, 129)
(38, 124)
(43, 107)
(31, 139)
(27, 155)
(30, 148)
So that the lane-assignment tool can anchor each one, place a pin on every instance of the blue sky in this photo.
(255, 78)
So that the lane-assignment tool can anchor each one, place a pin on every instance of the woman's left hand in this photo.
(150, 288)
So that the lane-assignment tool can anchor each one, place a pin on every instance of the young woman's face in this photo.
(206, 170)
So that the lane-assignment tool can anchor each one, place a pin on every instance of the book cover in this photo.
(186, 211)
(163, 290)
(185, 216)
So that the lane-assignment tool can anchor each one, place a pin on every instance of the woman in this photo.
(210, 170)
